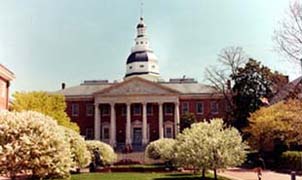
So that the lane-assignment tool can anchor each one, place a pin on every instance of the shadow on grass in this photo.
(182, 177)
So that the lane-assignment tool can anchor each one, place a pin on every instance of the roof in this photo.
(191, 88)
(83, 90)
(6, 73)
(89, 89)
(140, 56)
(289, 88)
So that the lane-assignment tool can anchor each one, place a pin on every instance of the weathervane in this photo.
(142, 9)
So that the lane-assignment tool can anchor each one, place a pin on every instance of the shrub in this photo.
(80, 155)
(105, 151)
(162, 149)
(33, 143)
(291, 160)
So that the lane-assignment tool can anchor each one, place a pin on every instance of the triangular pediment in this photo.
(137, 86)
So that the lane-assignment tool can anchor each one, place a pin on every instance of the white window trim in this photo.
(92, 106)
(102, 111)
(151, 113)
(86, 133)
(167, 125)
(165, 108)
(197, 107)
(105, 125)
(73, 114)
(140, 111)
(182, 107)
(217, 107)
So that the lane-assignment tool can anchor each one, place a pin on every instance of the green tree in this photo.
(186, 120)
(253, 83)
(52, 105)
(281, 121)
(210, 145)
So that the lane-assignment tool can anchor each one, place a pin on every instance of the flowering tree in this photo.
(32, 143)
(210, 145)
(80, 155)
(105, 151)
(161, 149)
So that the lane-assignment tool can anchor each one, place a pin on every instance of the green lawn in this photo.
(139, 176)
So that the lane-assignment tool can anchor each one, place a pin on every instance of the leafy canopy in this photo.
(52, 105)
(281, 121)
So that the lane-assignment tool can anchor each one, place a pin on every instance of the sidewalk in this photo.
(248, 174)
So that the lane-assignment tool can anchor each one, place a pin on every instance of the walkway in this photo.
(247, 174)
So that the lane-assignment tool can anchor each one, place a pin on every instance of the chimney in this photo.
(63, 85)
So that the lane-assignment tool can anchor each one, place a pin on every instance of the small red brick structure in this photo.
(5, 77)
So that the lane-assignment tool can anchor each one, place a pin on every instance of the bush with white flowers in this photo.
(105, 151)
(32, 143)
(80, 154)
(162, 149)
(210, 145)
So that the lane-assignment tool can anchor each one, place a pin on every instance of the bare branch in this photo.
(288, 37)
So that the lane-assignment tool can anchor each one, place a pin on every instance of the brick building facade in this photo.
(5, 77)
(142, 107)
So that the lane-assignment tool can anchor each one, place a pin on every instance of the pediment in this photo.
(137, 86)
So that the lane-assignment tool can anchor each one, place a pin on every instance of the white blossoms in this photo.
(35, 144)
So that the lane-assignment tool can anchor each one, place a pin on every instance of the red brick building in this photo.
(5, 77)
(142, 107)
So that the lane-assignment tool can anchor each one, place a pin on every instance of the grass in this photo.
(140, 176)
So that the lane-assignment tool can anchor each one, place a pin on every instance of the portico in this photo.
(132, 109)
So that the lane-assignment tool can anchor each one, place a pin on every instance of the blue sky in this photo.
(46, 42)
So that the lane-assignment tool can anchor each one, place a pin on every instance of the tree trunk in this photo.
(215, 174)
(203, 173)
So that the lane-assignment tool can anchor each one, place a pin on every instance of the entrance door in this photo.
(137, 136)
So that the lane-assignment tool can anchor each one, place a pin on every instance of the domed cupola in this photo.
(142, 61)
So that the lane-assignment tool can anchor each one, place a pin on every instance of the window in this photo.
(105, 132)
(130, 67)
(89, 109)
(141, 66)
(168, 109)
(105, 110)
(199, 108)
(124, 110)
(168, 129)
(149, 109)
(142, 42)
(184, 107)
(89, 133)
(74, 109)
(168, 132)
(137, 109)
(214, 107)
(153, 66)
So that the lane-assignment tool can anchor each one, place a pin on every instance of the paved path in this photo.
(247, 174)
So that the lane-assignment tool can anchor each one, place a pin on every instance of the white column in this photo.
(128, 124)
(112, 125)
(176, 118)
(145, 140)
(160, 120)
(97, 122)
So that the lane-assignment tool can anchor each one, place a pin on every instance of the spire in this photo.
(142, 10)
